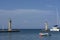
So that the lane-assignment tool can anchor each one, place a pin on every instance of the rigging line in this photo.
(13, 25)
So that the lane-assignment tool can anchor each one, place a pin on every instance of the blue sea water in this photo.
(29, 34)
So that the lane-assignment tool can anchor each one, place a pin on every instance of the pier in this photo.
(9, 28)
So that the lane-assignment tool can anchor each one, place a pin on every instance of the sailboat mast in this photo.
(57, 16)
(46, 26)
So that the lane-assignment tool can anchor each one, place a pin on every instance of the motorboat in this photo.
(44, 34)
(55, 28)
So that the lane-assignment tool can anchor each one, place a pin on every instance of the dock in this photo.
(9, 31)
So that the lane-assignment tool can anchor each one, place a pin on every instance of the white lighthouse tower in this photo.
(9, 25)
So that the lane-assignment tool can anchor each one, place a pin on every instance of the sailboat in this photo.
(55, 28)
(45, 33)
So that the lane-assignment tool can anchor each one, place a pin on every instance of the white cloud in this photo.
(51, 6)
(20, 11)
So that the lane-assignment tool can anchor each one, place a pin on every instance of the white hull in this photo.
(44, 34)
(54, 29)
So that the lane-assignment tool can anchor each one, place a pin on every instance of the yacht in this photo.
(55, 28)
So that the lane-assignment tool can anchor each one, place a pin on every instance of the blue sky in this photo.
(29, 14)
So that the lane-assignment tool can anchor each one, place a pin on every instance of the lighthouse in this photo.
(9, 25)
(10, 28)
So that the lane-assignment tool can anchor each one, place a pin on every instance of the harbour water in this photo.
(28, 34)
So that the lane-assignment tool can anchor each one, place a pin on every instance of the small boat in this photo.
(44, 34)
(55, 28)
